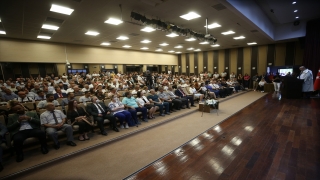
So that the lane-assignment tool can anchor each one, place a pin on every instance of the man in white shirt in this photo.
(23, 98)
(307, 77)
(85, 88)
(84, 99)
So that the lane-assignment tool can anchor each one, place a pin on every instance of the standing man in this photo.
(23, 125)
(307, 77)
(54, 120)
(100, 111)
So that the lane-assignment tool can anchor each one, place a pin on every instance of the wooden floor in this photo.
(270, 139)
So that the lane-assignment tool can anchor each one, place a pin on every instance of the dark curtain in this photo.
(311, 58)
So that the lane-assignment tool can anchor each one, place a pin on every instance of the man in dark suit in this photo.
(3, 131)
(100, 111)
(179, 92)
(59, 94)
(23, 125)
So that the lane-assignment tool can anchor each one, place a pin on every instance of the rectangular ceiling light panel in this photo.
(61, 9)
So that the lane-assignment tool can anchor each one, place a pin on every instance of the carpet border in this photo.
(130, 176)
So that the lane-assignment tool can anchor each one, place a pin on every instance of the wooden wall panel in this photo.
(233, 61)
(61, 68)
(205, 61)
(210, 61)
(240, 61)
(271, 55)
(247, 60)
(77, 66)
(200, 61)
(280, 54)
(188, 64)
(17, 69)
(120, 68)
(290, 53)
(49, 68)
(183, 63)
(215, 61)
(262, 59)
(179, 64)
(34, 68)
(226, 61)
(254, 60)
(221, 66)
(299, 54)
(191, 63)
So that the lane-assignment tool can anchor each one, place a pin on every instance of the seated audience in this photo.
(130, 102)
(23, 98)
(9, 95)
(119, 112)
(165, 97)
(100, 111)
(86, 98)
(261, 85)
(54, 121)
(78, 116)
(49, 99)
(142, 100)
(3, 131)
(23, 125)
(59, 94)
(179, 92)
(163, 106)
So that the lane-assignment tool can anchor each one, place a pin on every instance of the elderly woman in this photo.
(119, 112)
(78, 116)
(143, 101)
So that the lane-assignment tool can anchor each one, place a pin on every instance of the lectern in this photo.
(291, 87)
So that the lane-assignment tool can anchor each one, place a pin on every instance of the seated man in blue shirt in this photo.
(210, 88)
(130, 102)
(154, 98)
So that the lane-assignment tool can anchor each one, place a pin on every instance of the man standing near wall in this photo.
(307, 77)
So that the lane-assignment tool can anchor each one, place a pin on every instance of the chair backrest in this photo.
(2, 120)
(59, 100)
(121, 92)
(58, 108)
(37, 102)
(29, 105)
(77, 98)
(107, 101)
(66, 108)
(42, 111)
(4, 107)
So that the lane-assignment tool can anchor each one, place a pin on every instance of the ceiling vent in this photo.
(219, 7)
(134, 34)
(45, 33)
(55, 20)
(78, 41)
(254, 31)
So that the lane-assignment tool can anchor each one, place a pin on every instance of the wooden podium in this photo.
(291, 88)
(207, 108)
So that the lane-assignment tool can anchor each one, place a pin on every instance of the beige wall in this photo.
(246, 60)
(36, 51)
(280, 54)
(61, 68)
(233, 60)
(210, 61)
(262, 59)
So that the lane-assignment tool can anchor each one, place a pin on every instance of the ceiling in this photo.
(23, 20)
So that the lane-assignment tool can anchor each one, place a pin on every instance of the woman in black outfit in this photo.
(78, 116)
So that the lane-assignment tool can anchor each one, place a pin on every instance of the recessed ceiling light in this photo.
(105, 44)
(0, 19)
(126, 46)
(2, 32)
(214, 25)
(215, 45)
(171, 51)
(239, 37)
(92, 33)
(61, 9)
(144, 48)
(179, 46)
(145, 41)
(148, 29)
(159, 50)
(190, 49)
(190, 15)
(178, 52)
(113, 21)
(52, 27)
(164, 44)
(294, 2)
(297, 17)
(197, 50)
(295, 11)
(252, 43)
(227, 32)
(122, 38)
(44, 37)
(190, 39)
(172, 35)
(204, 42)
